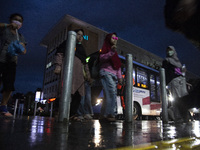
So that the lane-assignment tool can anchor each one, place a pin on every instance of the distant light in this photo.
(87, 59)
(43, 101)
(52, 99)
(49, 65)
(98, 101)
(37, 96)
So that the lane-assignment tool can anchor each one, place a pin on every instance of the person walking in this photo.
(8, 62)
(175, 80)
(80, 70)
(110, 74)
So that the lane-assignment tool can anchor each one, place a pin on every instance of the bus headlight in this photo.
(171, 98)
(98, 101)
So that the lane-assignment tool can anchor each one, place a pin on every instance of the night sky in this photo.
(140, 22)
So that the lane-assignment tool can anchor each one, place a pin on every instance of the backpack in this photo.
(94, 65)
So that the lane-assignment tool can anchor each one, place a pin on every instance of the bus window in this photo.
(134, 74)
(142, 80)
(152, 87)
(158, 88)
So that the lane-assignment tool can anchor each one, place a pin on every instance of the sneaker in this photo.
(78, 118)
(5, 112)
(88, 116)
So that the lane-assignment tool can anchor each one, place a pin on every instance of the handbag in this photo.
(15, 48)
(95, 69)
(94, 65)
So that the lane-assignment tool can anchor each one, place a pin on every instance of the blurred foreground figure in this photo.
(184, 16)
(12, 44)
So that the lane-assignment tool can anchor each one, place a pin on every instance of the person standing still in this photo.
(8, 34)
(110, 74)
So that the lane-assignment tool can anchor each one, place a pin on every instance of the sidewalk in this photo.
(45, 133)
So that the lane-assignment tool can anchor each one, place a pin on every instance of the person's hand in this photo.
(22, 44)
(114, 47)
(14, 25)
(24, 52)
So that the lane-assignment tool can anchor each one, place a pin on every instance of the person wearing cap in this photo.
(174, 80)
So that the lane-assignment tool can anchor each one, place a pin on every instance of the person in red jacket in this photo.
(110, 74)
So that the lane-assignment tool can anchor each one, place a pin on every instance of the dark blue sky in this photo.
(140, 22)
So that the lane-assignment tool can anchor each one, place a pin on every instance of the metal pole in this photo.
(163, 96)
(51, 110)
(15, 110)
(64, 105)
(35, 108)
(129, 89)
(29, 101)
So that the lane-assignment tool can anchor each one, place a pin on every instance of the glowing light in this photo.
(37, 96)
(171, 98)
(52, 99)
(87, 59)
(98, 102)
(196, 128)
(97, 133)
(85, 37)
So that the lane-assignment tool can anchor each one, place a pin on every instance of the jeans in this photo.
(21, 109)
(85, 106)
(109, 83)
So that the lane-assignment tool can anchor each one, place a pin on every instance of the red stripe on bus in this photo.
(146, 101)
(155, 106)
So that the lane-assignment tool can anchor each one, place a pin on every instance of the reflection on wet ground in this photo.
(45, 133)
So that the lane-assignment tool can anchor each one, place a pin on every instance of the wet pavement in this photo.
(45, 133)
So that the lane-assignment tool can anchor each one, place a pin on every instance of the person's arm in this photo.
(87, 71)
(119, 76)
(5, 25)
(23, 43)
(24, 52)
(106, 57)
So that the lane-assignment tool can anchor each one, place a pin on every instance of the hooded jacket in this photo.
(172, 65)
